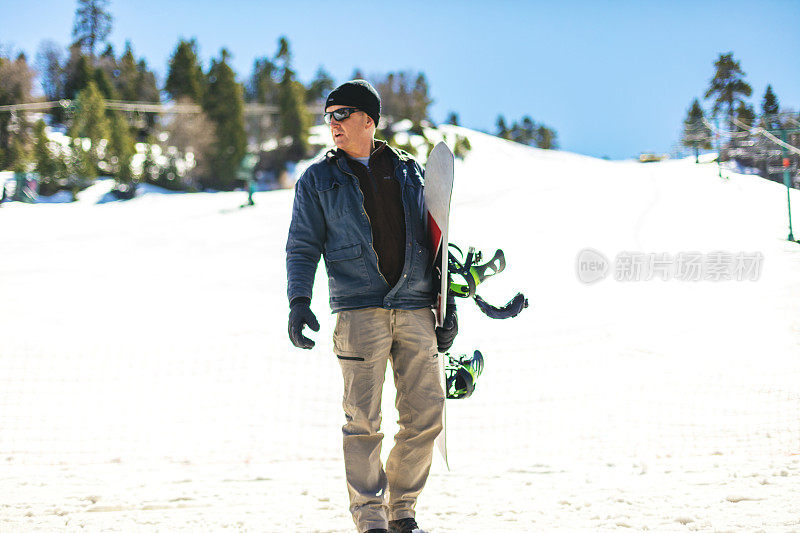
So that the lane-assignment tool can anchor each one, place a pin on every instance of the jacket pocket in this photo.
(420, 278)
(347, 271)
(335, 200)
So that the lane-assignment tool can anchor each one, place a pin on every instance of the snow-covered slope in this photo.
(143, 350)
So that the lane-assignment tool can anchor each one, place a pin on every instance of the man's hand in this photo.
(446, 334)
(300, 315)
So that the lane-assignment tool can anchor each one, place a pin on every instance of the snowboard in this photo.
(438, 190)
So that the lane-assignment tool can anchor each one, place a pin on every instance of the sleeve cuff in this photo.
(299, 300)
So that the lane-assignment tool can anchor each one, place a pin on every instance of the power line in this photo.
(147, 107)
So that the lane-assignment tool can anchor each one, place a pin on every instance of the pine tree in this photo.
(294, 119)
(77, 167)
(461, 147)
(769, 109)
(90, 122)
(128, 74)
(134, 82)
(391, 106)
(46, 163)
(185, 76)
(745, 116)
(108, 53)
(18, 154)
(502, 129)
(101, 79)
(92, 24)
(546, 138)
(170, 176)
(262, 87)
(224, 104)
(107, 63)
(146, 87)
(528, 130)
(402, 96)
(727, 86)
(147, 91)
(696, 134)
(78, 74)
(515, 132)
(284, 54)
(320, 86)
(150, 171)
(16, 82)
(420, 100)
(121, 149)
(452, 118)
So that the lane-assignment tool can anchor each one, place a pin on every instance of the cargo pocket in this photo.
(342, 339)
(426, 396)
(347, 271)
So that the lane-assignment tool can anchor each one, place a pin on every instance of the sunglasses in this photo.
(340, 114)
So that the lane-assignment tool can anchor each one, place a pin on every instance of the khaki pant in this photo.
(364, 339)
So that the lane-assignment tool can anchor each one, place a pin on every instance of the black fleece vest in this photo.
(384, 206)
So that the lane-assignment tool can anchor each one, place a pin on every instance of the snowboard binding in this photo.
(470, 269)
(461, 373)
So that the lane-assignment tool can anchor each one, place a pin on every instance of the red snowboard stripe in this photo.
(436, 235)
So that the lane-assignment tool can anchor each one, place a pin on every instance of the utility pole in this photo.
(787, 181)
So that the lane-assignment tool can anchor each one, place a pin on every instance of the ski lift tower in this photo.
(786, 178)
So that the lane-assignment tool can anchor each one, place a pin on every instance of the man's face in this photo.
(352, 133)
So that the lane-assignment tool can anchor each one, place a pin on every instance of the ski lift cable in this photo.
(731, 134)
(30, 106)
(769, 136)
(146, 107)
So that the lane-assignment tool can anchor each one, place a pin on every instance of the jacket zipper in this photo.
(364, 210)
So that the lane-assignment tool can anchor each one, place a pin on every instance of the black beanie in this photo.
(359, 94)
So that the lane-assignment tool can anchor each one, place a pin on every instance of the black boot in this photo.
(404, 525)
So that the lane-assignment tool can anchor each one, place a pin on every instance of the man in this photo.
(361, 208)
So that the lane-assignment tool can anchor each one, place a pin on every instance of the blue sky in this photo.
(613, 78)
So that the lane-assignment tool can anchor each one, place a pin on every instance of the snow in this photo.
(147, 381)
(97, 193)
(59, 197)
(6, 176)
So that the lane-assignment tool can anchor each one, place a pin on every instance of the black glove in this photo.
(300, 315)
(446, 334)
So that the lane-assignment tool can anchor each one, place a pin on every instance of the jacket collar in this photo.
(397, 155)
(339, 158)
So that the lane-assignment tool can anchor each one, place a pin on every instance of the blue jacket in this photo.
(329, 220)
